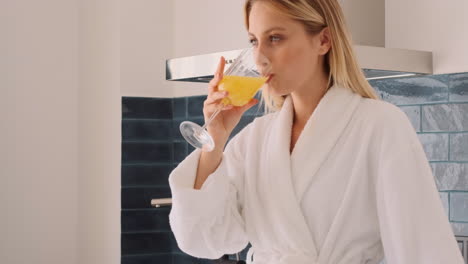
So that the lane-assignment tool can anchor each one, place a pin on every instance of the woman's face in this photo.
(295, 56)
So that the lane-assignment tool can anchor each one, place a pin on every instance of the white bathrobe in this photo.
(356, 187)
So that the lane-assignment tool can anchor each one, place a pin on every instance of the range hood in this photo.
(376, 63)
(366, 22)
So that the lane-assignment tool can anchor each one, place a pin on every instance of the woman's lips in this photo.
(270, 76)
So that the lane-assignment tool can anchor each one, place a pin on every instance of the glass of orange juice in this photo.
(242, 81)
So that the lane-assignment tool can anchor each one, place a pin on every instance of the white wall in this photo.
(208, 26)
(60, 126)
(203, 27)
(153, 31)
(60, 103)
(39, 109)
(146, 42)
(366, 27)
(432, 25)
(99, 128)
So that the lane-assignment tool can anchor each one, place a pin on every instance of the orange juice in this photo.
(241, 89)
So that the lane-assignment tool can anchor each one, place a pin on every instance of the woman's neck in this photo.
(306, 100)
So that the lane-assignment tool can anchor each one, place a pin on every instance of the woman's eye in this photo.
(253, 42)
(274, 38)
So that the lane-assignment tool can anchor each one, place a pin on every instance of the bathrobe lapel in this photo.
(320, 134)
(289, 176)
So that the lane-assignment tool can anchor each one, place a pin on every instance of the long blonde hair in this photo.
(340, 61)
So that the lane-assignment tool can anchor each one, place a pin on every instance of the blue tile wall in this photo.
(147, 159)
(151, 108)
(437, 106)
(152, 146)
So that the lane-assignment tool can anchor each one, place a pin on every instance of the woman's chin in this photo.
(273, 91)
(270, 89)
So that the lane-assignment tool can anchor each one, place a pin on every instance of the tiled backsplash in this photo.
(152, 146)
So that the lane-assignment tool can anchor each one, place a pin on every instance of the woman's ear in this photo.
(325, 41)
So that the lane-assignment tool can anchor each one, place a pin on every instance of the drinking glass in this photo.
(242, 81)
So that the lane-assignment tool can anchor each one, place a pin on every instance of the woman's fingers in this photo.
(227, 107)
(210, 109)
(215, 96)
(218, 76)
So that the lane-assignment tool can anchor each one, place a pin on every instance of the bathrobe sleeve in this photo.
(413, 224)
(208, 223)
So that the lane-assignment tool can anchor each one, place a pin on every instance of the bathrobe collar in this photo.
(290, 174)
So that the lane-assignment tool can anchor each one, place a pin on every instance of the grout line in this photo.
(421, 118)
(449, 137)
(144, 209)
(144, 186)
(186, 106)
(172, 108)
(432, 103)
(448, 162)
(448, 87)
(146, 119)
(147, 164)
(145, 232)
(449, 211)
(443, 132)
(191, 118)
(128, 209)
(146, 255)
(150, 141)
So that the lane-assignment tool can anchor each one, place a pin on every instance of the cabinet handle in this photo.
(161, 202)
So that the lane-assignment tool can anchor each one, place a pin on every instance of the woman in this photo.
(330, 175)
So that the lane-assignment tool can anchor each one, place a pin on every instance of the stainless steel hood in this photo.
(376, 63)
(366, 22)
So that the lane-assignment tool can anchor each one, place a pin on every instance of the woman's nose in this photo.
(262, 62)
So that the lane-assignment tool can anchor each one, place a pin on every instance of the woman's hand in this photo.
(222, 125)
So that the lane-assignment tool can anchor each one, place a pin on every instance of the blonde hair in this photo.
(340, 60)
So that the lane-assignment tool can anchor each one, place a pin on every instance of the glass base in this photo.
(196, 137)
